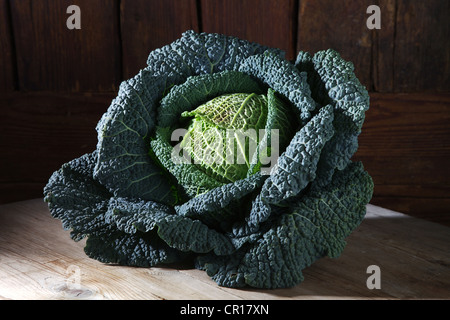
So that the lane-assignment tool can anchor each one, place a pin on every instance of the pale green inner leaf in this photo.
(223, 136)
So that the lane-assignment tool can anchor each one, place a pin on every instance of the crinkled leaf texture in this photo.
(137, 207)
(315, 225)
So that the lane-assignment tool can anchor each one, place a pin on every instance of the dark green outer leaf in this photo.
(81, 203)
(282, 76)
(181, 233)
(110, 245)
(296, 167)
(75, 198)
(316, 226)
(294, 170)
(212, 207)
(124, 165)
(200, 53)
(333, 81)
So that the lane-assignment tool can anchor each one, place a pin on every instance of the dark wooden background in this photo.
(55, 83)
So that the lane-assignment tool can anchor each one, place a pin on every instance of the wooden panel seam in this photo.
(11, 61)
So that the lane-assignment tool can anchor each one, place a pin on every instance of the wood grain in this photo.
(6, 50)
(330, 24)
(148, 25)
(267, 22)
(422, 49)
(52, 57)
(383, 48)
(405, 146)
(41, 131)
(38, 260)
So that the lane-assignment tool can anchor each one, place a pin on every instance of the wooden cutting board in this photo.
(389, 256)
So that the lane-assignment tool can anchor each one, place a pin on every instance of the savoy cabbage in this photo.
(249, 223)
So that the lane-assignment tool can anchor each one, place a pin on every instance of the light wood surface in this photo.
(38, 260)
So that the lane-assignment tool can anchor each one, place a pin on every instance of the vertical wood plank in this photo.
(52, 57)
(41, 131)
(422, 46)
(384, 40)
(150, 24)
(6, 50)
(267, 22)
(328, 24)
(405, 146)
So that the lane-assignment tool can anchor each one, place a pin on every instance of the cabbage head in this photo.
(223, 153)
